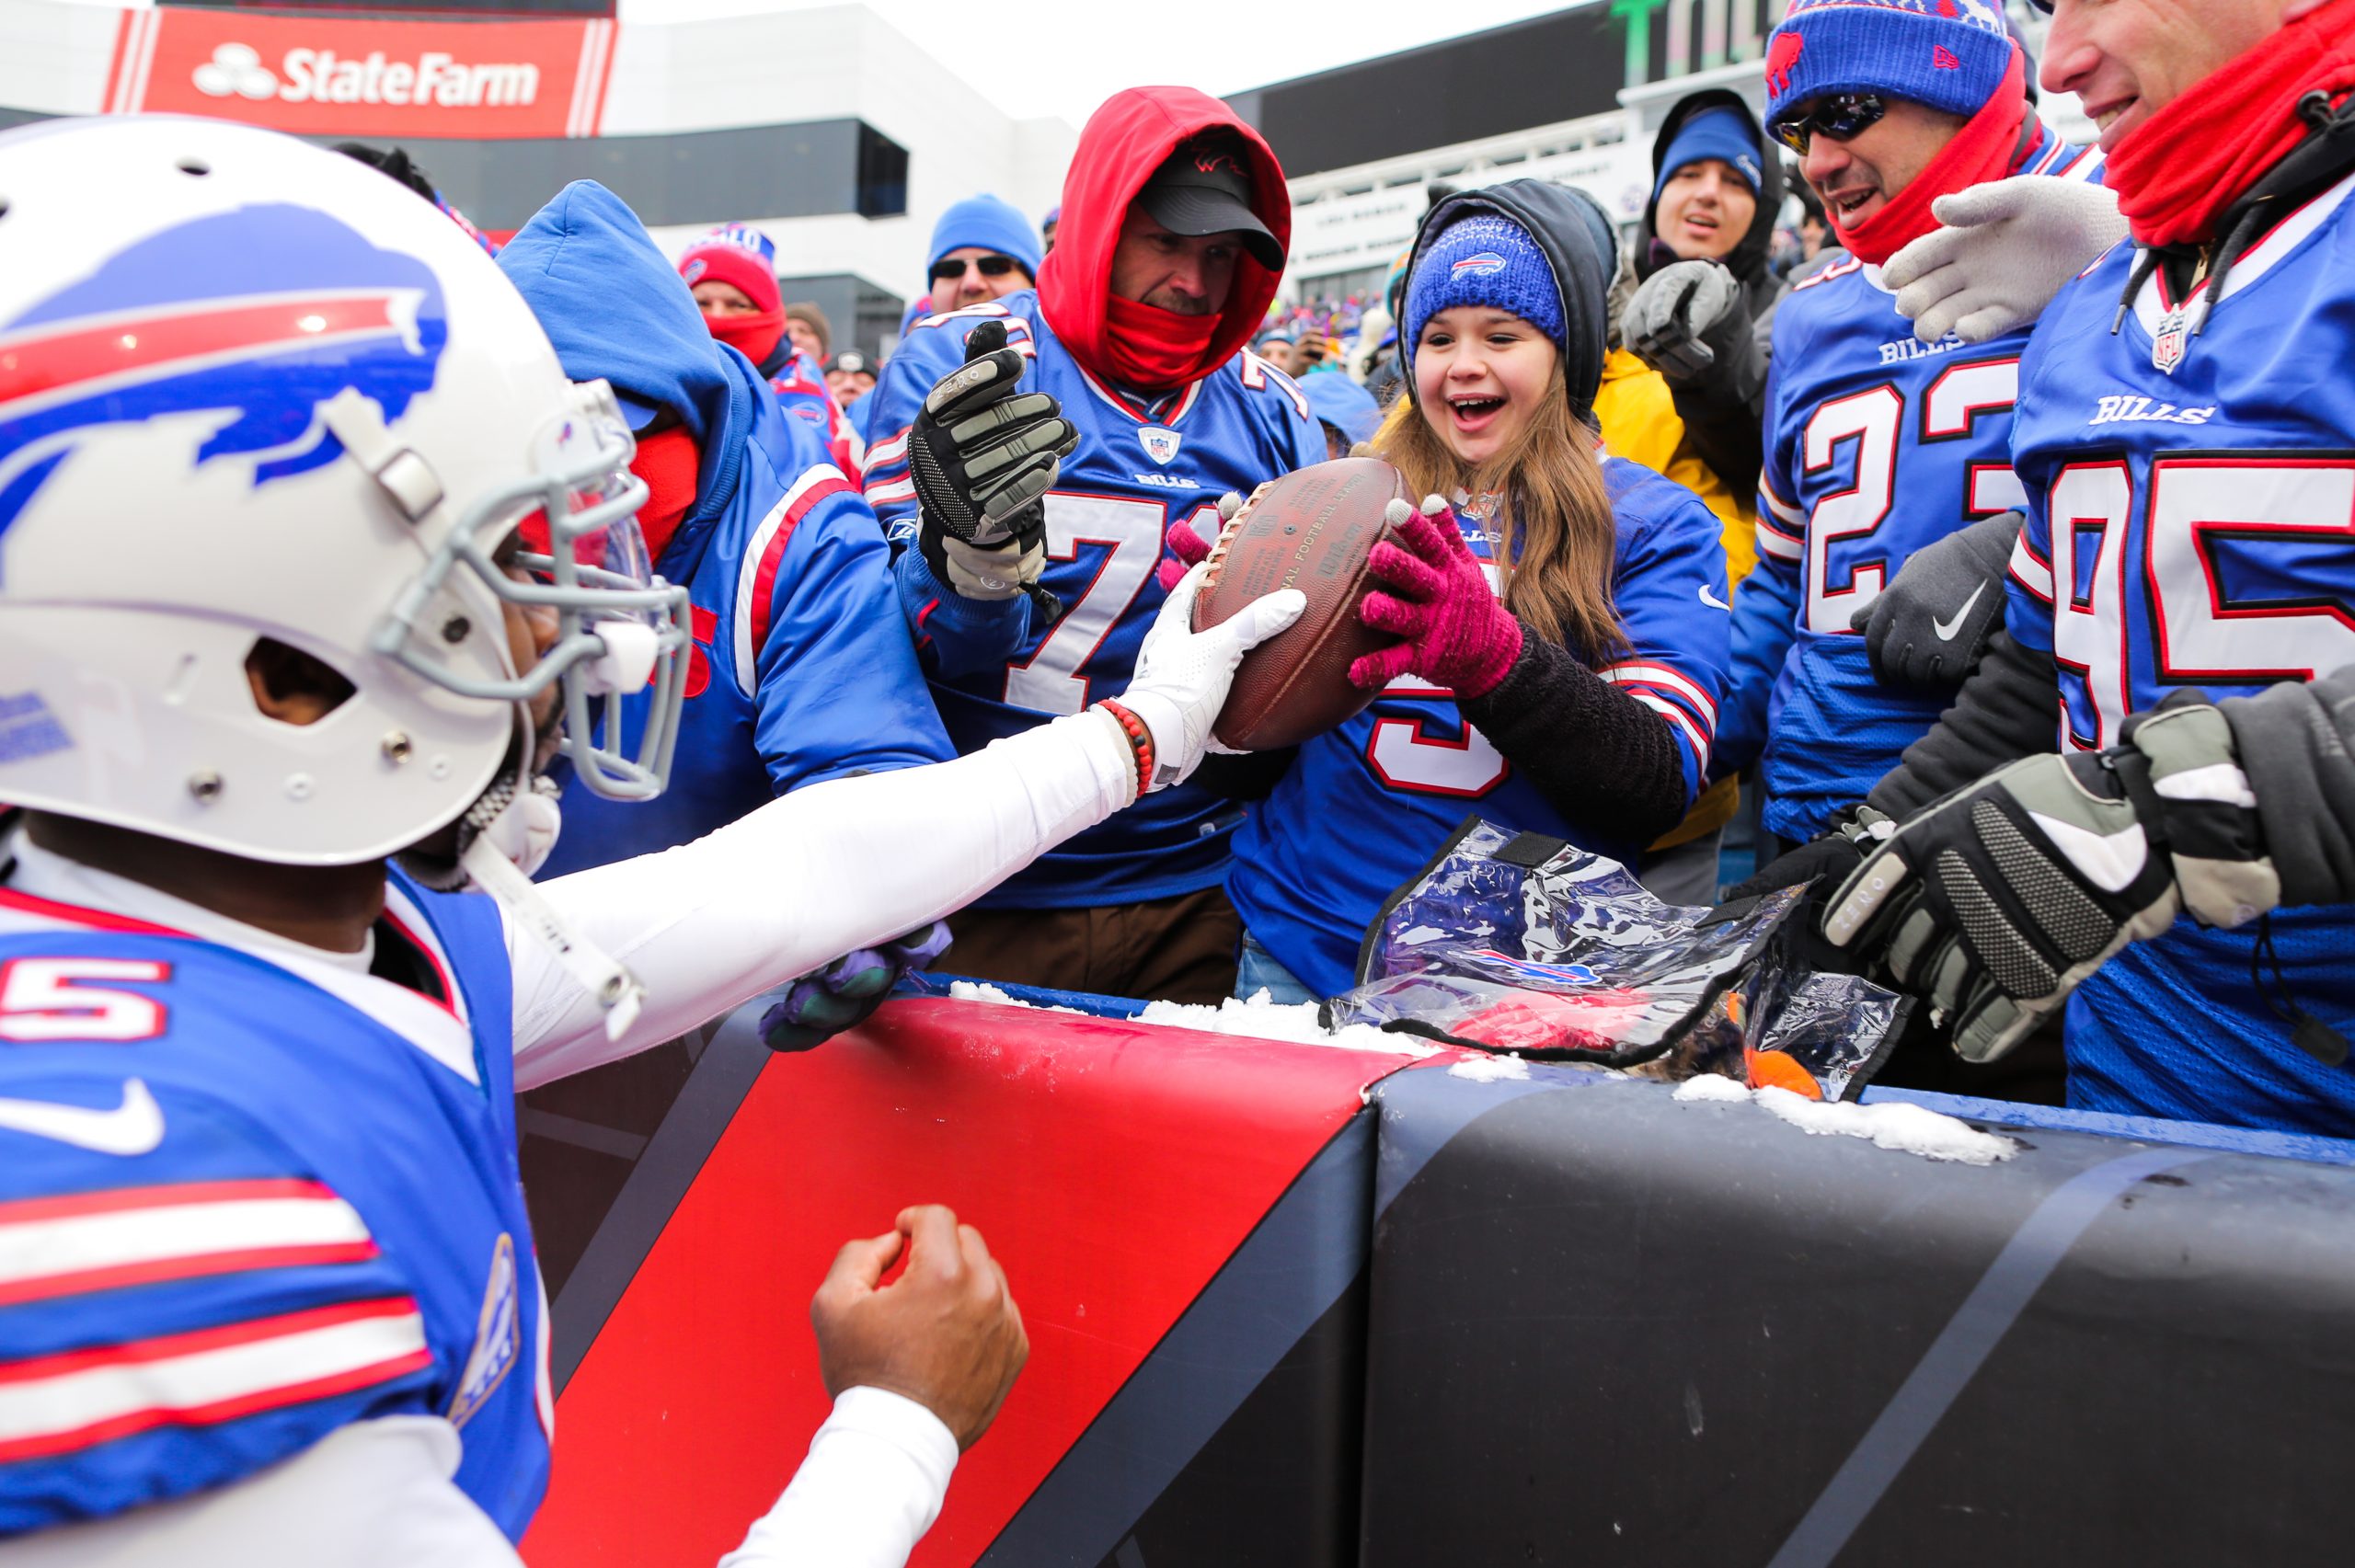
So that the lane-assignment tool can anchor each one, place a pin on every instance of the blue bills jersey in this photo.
(246, 1200)
(1367, 804)
(2191, 525)
(1138, 469)
(801, 670)
(1877, 444)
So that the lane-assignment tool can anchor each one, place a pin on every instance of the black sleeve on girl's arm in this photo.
(1599, 756)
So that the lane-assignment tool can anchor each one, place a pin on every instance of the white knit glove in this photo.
(2007, 248)
(1182, 675)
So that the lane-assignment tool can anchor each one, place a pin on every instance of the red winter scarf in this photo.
(1983, 149)
(1152, 349)
(668, 462)
(753, 336)
(2176, 172)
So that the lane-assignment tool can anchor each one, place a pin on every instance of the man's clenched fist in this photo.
(946, 1333)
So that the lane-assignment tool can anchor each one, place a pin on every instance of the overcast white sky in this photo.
(1064, 57)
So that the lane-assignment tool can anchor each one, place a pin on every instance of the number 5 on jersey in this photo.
(48, 999)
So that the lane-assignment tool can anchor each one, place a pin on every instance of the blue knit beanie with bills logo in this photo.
(1949, 54)
(1485, 260)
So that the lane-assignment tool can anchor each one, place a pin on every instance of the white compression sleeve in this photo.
(806, 878)
(877, 1474)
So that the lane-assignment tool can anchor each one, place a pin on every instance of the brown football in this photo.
(1313, 530)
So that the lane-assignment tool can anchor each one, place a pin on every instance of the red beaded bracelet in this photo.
(1140, 741)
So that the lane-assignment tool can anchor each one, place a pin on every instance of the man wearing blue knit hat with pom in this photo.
(1879, 450)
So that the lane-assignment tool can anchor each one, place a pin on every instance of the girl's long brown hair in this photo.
(1557, 542)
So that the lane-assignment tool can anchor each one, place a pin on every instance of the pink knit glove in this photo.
(1188, 548)
(1455, 633)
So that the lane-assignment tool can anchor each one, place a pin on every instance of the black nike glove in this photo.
(983, 455)
(1925, 630)
(1997, 900)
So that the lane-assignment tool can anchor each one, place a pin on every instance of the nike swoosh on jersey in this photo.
(1946, 629)
(134, 1127)
(1712, 601)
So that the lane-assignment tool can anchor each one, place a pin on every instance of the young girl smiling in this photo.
(1562, 627)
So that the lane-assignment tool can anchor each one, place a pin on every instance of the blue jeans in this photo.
(1256, 969)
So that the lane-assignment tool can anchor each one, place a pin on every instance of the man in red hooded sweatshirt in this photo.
(1174, 223)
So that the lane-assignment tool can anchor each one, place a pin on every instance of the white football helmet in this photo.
(252, 389)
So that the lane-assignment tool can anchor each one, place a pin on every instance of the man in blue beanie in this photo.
(982, 249)
(1708, 183)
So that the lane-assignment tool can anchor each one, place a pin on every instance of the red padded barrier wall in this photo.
(1112, 1166)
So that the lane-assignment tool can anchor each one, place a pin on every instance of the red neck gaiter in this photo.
(2176, 172)
(1153, 349)
(1983, 149)
(754, 336)
(668, 462)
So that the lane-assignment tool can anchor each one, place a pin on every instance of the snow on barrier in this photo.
(1612, 1322)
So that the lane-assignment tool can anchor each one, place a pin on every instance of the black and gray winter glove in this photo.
(1925, 630)
(1674, 310)
(983, 455)
(1998, 900)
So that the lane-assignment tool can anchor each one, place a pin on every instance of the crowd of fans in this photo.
(1719, 522)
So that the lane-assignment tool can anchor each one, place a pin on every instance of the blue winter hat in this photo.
(1338, 401)
(990, 224)
(1949, 54)
(1485, 260)
(1718, 134)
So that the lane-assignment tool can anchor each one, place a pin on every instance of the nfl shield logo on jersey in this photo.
(1159, 444)
(2167, 343)
(499, 1336)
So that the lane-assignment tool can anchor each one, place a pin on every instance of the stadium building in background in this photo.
(828, 127)
(844, 139)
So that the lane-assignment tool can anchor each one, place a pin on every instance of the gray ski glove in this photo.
(1674, 310)
(1997, 900)
(983, 455)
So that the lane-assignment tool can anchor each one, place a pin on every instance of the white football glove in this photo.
(1182, 675)
(2007, 248)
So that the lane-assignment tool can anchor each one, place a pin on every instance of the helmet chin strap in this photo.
(505, 836)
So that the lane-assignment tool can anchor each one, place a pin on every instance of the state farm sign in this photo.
(329, 75)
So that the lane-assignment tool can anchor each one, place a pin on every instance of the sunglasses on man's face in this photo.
(1838, 115)
(991, 266)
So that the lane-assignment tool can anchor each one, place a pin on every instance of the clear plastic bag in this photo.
(1515, 941)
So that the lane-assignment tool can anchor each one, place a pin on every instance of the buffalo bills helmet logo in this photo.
(1479, 264)
(1783, 51)
(262, 314)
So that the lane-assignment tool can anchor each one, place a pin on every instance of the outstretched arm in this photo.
(853, 861)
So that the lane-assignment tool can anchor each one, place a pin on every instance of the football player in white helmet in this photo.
(310, 558)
